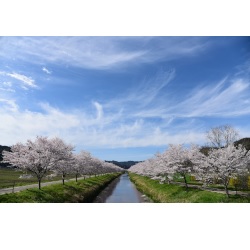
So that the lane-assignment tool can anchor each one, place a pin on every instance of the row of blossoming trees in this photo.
(220, 164)
(43, 155)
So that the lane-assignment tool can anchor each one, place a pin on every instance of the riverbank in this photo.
(121, 190)
(171, 193)
(72, 192)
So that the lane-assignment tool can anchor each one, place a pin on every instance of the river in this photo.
(121, 190)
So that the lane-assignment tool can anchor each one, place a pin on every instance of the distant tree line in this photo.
(124, 164)
(2, 148)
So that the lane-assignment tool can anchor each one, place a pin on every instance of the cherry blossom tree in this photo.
(96, 166)
(224, 164)
(86, 164)
(154, 168)
(222, 136)
(82, 164)
(176, 159)
(182, 160)
(220, 164)
(147, 168)
(163, 167)
(38, 156)
(64, 167)
(110, 167)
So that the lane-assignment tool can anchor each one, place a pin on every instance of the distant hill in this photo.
(244, 141)
(2, 148)
(124, 164)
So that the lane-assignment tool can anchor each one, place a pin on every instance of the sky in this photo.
(123, 98)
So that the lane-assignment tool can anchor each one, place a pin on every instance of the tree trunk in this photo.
(226, 182)
(39, 184)
(227, 191)
(63, 176)
(13, 187)
(185, 182)
(76, 177)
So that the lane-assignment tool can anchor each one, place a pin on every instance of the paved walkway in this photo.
(215, 190)
(43, 184)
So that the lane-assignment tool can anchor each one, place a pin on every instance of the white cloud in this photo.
(80, 128)
(9, 104)
(46, 71)
(8, 84)
(243, 69)
(100, 52)
(144, 94)
(7, 89)
(227, 99)
(139, 118)
(26, 81)
(20, 125)
(99, 111)
(11, 81)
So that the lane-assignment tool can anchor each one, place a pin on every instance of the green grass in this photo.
(71, 192)
(178, 178)
(170, 193)
(10, 177)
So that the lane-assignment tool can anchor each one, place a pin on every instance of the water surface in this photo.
(121, 190)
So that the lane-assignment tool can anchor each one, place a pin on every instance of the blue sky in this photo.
(123, 98)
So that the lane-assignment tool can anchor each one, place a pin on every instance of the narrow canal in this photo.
(121, 190)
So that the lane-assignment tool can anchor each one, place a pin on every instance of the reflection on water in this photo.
(121, 190)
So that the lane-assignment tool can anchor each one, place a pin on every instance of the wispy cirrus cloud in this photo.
(99, 110)
(6, 86)
(81, 128)
(141, 117)
(24, 81)
(227, 98)
(103, 92)
(146, 92)
(84, 52)
(100, 52)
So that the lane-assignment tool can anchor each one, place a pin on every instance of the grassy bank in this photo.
(170, 193)
(81, 191)
(10, 177)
